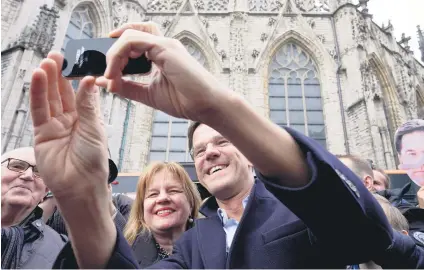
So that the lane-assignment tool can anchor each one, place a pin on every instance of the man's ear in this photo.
(368, 182)
(404, 232)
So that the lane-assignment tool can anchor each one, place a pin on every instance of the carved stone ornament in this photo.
(313, 5)
(389, 28)
(238, 16)
(125, 11)
(370, 83)
(217, 5)
(311, 23)
(364, 6)
(199, 4)
(223, 54)
(333, 53)
(305, 5)
(405, 42)
(271, 21)
(60, 3)
(265, 5)
(255, 53)
(321, 38)
(166, 23)
(322, 6)
(238, 66)
(164, 5)
(211, 5)
(264, 36)
(359, 30)
(237, 45)
(214, 38)
(40, 36)
(205, 23)
(21, 73)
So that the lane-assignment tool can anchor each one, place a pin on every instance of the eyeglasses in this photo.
(217, 142)
(20, 166)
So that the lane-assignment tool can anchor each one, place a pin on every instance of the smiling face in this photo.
(411, 156)
(20, 188)
(221, 168)
(166, 206)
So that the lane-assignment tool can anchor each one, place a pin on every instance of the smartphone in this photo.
(87, 57)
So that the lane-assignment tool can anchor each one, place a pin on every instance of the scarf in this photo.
(12, 243)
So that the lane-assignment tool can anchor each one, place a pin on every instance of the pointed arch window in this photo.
(169, 134)
(295, 92)
(81, 26)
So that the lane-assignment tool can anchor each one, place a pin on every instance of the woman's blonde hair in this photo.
(136, 223)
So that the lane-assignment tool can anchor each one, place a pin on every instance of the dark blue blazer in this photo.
(330, 223)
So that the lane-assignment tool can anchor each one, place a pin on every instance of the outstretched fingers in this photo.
(40, 109)
(88, 103)
(88, 106)
(66, 91)
(55, 102)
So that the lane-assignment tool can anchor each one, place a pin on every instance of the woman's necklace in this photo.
(163, 254)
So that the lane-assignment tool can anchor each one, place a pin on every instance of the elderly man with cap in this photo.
(26, 241)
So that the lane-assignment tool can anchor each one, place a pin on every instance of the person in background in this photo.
(119, 206)
(26, 241)
(396, 220)
(395, 217)
(361, 168)
(409, 143)
(412, 214)
(166, 204)
(381, 180)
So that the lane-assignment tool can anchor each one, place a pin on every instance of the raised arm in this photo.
(71, 153)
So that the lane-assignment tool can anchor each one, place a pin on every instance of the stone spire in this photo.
(421, 41)
(405, 42)
(363, 4)
(389, 28)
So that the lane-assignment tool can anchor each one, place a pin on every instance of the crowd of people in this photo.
(279, 199)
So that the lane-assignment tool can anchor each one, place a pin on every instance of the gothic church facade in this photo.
(322, 67)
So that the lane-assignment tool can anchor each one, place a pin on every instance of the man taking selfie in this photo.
(280, 220)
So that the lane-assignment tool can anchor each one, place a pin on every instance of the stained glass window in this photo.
(295, 93)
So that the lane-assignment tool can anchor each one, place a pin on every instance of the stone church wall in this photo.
(369, 82)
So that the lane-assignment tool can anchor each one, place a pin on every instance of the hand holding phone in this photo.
(87, 57)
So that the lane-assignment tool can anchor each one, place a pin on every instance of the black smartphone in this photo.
(87, 57)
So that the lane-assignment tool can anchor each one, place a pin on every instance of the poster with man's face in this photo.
(409, 140)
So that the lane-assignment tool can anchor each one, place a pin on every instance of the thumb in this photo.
(136, 91)
(88, 102)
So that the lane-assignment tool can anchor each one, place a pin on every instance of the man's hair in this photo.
(387, 182)
(193, 126)
(394, 216)
(359, 166)
(408, 127)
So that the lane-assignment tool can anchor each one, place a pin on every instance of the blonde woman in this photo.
(166, 204)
